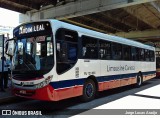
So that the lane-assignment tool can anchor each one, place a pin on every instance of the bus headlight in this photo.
(45, 82)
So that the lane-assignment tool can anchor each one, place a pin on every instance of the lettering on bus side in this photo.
(90, 73)
(120, 68)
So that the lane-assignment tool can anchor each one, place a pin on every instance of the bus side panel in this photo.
(107, 79)
(89, 67)
(149, 70)
(117, 73)
(71, 82)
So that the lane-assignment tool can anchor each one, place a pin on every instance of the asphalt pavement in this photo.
(7, 96)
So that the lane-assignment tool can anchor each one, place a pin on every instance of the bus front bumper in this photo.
(48, 93)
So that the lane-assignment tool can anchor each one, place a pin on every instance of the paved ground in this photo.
(145, 97)
(7, 95)
(145, 103)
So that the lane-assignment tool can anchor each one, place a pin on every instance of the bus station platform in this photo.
(142, 103)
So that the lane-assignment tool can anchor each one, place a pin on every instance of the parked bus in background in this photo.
(158, 63)
(53, 60)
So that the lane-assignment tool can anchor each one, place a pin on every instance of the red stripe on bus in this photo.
(116, 83)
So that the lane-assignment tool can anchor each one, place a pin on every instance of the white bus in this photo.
(54, 60)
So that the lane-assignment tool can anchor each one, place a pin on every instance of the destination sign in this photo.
(35, 27)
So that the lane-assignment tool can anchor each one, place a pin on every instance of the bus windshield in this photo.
(33, 54)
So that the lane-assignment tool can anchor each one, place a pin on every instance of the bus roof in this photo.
(103, 36)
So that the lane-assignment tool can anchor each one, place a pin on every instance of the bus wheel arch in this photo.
(90, 89)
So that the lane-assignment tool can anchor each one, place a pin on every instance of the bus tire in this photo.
(139, 80)
(89, 91)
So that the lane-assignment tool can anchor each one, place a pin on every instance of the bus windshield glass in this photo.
(33, 53)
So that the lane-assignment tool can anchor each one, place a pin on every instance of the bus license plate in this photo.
(22, 91)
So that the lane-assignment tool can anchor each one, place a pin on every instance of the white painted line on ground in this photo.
(132, 102)
(153, 91)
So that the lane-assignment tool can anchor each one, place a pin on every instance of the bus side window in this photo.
(116, 51)
(141, 54)
(126, 52)
(105, 49)
(90, 47)
(134, 54)
(67, 49)
(72, 52)
(147, 58)
(152, 56)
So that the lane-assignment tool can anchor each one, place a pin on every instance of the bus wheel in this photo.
(139, 80)
(89, 91)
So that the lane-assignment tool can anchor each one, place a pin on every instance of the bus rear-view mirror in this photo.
(9, 47)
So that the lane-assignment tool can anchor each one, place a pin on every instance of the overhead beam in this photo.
(157, 7)
(82, 25)
(90, 23)
(137, 13)
(109, 22)
(83, 7)
(11, 7)
(140, 34)
(108, 15)
(101, 23)
(25, 3)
